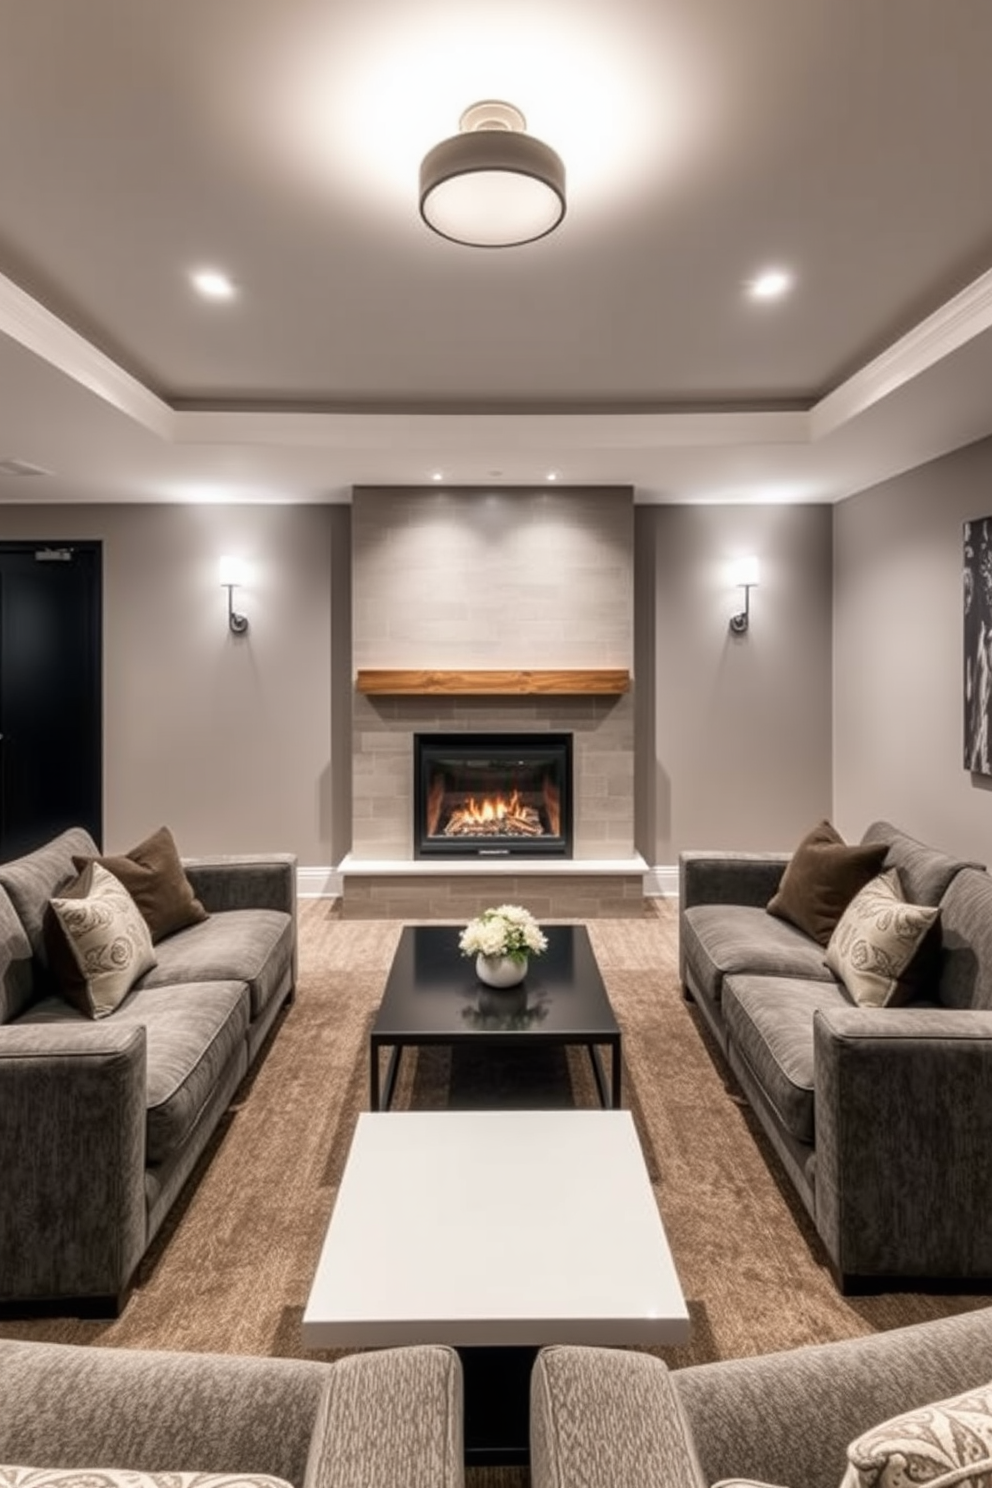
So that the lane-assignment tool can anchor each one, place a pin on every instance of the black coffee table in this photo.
(433, 996)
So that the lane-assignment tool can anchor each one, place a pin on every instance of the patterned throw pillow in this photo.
(98, 942)
(933, 1447)
(877, 941)
(107, 1477)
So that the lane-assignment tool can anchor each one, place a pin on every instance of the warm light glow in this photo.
(213, 284)
(359, 107)
(745, 570)
(771, 284)
(233, 571)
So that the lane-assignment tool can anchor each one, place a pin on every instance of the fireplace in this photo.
(492, 795)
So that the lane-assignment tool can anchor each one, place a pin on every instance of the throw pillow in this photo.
(878, 941)
(936, 1445)
(153, 875)
(821, 878)
(98, 942)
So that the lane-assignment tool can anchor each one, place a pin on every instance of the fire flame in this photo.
(488, 810)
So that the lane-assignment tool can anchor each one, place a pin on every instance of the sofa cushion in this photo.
(966, 942)
(97, 941)
(248, 945)
(32, 880)
(924, 872)
(770, 1022)
(16, 980)
(192, 1032)
(878, 948)
(934, 1445)
(115, 1477)
(720, 940)
(821, 878)
(153, 875)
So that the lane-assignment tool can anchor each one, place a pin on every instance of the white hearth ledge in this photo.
(661, 881)
(511, 867)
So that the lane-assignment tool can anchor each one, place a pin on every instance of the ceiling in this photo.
(847, 141)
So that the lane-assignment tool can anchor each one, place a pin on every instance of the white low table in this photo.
(492, 1230)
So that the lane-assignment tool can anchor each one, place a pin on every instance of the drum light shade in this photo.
(492, 185)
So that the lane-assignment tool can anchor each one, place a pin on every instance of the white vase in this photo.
(500, 971)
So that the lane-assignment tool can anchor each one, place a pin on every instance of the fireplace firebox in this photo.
(492, 795)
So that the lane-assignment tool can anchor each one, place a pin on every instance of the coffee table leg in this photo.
(383, 1102)
(597, 1069)
(392, 1069)
(611, 1097)
(373, 1075)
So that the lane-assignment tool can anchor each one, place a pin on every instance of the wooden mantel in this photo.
(588, 682)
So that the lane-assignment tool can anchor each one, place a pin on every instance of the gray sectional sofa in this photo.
(383, 1418)
(102, 1121)
(611, 1418)
(881, 1116)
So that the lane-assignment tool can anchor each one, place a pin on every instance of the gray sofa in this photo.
(881, 1117)
(384, 1418)
(101, 1122)
(623, 1420)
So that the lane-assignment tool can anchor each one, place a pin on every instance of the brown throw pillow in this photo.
(154, 877)
(821, 878)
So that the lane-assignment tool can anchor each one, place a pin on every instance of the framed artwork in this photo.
(978, 646)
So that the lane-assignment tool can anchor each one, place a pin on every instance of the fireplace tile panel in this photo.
(491, 579)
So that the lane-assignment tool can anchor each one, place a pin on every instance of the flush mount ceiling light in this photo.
(492, 185)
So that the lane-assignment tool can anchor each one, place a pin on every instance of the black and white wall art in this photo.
(978, 645)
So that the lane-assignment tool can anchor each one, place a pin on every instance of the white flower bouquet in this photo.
(507, 930)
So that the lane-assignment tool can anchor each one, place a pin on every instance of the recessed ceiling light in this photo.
(213, 284)
(552, 475)
(437, 475)
(770, 284)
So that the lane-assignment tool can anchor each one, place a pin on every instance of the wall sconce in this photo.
(745, 576)
(232, 575)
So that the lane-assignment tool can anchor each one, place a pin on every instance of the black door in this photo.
(50, 693)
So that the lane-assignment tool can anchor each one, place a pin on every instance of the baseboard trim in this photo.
(660, 882)
(319, 883)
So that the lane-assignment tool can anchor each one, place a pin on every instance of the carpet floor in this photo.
(232, 1269)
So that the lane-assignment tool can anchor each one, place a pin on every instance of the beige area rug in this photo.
(233, 1268)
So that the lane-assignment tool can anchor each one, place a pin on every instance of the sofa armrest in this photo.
(729, 877)
(69, 1406)
(72, 1156)
(244, 881)
(391, 1416)
(903, 1130)
(788, 1417)
(607, 1418)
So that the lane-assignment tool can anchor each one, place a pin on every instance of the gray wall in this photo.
(898, 710)
(227, 740)
(734, 746)
(245, 745)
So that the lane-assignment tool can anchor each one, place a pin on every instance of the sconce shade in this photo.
(232, 571)
(492, 186)
(746, 571)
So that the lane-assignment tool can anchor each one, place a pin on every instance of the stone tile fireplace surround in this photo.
(478, 579)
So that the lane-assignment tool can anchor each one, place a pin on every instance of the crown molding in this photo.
(963, 318)
(26, 321)
(960, 320)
